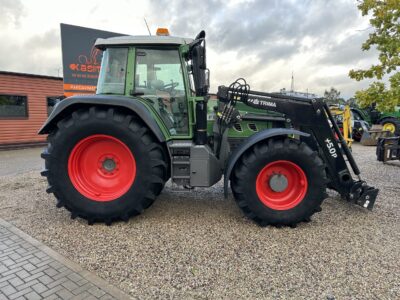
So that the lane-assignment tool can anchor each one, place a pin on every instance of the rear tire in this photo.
(127, 183)
(267, 199)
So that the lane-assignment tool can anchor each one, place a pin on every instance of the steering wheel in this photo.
(170, 86)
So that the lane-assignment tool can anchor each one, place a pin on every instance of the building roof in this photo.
(30, 75)
(142, 40)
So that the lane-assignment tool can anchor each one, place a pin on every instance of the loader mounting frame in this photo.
(313, 117)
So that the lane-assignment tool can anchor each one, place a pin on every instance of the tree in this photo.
(386, 38)
(332, 96)
(352, 102)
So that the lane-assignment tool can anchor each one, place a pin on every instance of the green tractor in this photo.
(109, 155)
(390, 121)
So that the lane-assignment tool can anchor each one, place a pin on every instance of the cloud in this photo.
(11, 11)
(348, 50)
(307, 37)
(40, 54)
(260, 40)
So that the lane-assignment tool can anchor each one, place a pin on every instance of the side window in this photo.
(159, 79)
(113, 71)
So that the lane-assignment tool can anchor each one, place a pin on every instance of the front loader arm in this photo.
(313, 116)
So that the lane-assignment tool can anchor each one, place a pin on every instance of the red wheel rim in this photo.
(101, 167)
(281, 185)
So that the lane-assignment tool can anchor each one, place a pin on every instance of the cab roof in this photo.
(142, 40)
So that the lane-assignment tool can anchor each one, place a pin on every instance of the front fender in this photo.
(385, 118)
(252, 140)
(68, 105)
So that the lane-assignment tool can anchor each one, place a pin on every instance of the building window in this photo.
(12, 106)
(51, 102)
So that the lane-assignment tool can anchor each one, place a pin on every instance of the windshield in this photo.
(113, 71)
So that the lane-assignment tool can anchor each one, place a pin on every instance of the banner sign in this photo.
(81, 60)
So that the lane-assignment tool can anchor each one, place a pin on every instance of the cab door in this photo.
(159, 79)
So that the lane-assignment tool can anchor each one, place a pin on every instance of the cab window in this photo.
(159, 80)
(113, 71)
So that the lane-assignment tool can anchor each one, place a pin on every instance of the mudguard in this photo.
(255, 138)
(66, 106)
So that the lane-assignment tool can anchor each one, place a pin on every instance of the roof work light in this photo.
(162, 31)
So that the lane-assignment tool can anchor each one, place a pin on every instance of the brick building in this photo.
(25, 102)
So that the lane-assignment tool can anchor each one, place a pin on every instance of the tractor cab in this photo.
(156, 70)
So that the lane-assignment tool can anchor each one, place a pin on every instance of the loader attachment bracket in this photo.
(363, 194)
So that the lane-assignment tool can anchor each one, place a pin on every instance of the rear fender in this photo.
(252, 140)
(68, 105)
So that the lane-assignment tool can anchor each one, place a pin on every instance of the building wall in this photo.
(36, 88)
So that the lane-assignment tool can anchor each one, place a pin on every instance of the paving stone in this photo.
(8, 262)
(28, 272)
(52, 291)
(82, 282)
(34, 276)
(12, 271)
(45, 279)
(32, 296)
(65, 294)
(82, 296)
(52, 297)
(8, 277)
(3, 268)
(15, 256)
(20, 293)
(23, 274)
(29, 267)
(39, 288)
(95, 291)
(44, 262)
(83, 288)
(27, 284)
(15, 281)
(41, 255)
(70, 285)
(51, 272)
(57, 282)
(8, 290)
(75, 277)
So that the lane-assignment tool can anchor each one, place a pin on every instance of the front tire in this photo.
(104, 165)
(392, 125)
(279, 182)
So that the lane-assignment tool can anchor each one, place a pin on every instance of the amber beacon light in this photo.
(162, 32)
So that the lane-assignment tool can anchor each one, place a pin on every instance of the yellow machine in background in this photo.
(342, 116)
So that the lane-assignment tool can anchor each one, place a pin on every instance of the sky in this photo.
(263, 41)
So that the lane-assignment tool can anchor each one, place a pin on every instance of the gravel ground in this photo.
(195, 244)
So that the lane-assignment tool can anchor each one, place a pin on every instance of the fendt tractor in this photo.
(109, 155)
